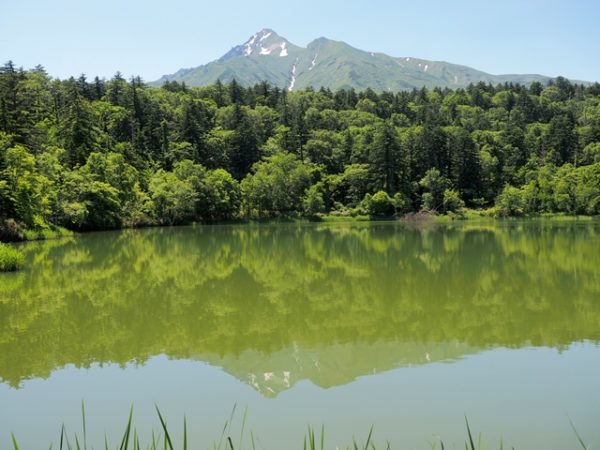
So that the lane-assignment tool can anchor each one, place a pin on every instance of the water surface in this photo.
(404, 327)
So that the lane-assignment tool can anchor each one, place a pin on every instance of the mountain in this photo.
(266, 56)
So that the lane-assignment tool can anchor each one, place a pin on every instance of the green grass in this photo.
(11, 259)
(313, 440)
(469, 214)
(344, 218)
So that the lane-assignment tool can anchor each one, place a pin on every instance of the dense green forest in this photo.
(102, 154)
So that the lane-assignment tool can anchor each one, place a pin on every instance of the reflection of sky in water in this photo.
(403, 328)
(525, 395)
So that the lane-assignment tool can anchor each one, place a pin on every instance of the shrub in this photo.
(381, 205)
(452, 201)
(401, 203)
(11, 259)
(510, 202)
(313, 201)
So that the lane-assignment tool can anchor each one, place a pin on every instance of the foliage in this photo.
(221, 197)
(380, 205)
(112, 153)
(11, 259)
(313, 202)
(568, 189)
(277, 186)
(452, 201)
(90, 204)
(174, 199)
(436, 186)
(401, 203)
(510, 202)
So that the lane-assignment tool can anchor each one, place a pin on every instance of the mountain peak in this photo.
(261, 36)
(263, 43)
(320, 40)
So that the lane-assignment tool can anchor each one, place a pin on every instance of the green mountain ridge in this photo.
(266, 56)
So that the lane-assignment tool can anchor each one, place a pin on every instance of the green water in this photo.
(404, 327)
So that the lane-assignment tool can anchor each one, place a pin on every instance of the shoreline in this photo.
(468, 215)
(421, 217)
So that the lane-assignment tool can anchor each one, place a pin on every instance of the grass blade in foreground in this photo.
(84, 425)
(310, 438)
(583, 445)
(185, 440)
(14, 441)
(470, 435)
(125, 440)
(164, 426)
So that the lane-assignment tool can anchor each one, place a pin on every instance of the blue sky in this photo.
(150, 38)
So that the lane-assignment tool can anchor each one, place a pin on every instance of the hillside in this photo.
(266, 56)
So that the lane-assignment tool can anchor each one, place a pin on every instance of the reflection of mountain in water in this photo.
(355, 297)
(330, 366)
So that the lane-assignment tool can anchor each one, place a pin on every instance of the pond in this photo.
(404, 327)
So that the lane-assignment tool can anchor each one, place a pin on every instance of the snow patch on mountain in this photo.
(313, 63)
(257, 44)
(249, 45)
(293, 77)
(284, 51)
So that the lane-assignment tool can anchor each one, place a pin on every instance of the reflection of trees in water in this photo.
(116, 297)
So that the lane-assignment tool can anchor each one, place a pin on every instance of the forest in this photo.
(104, 154)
